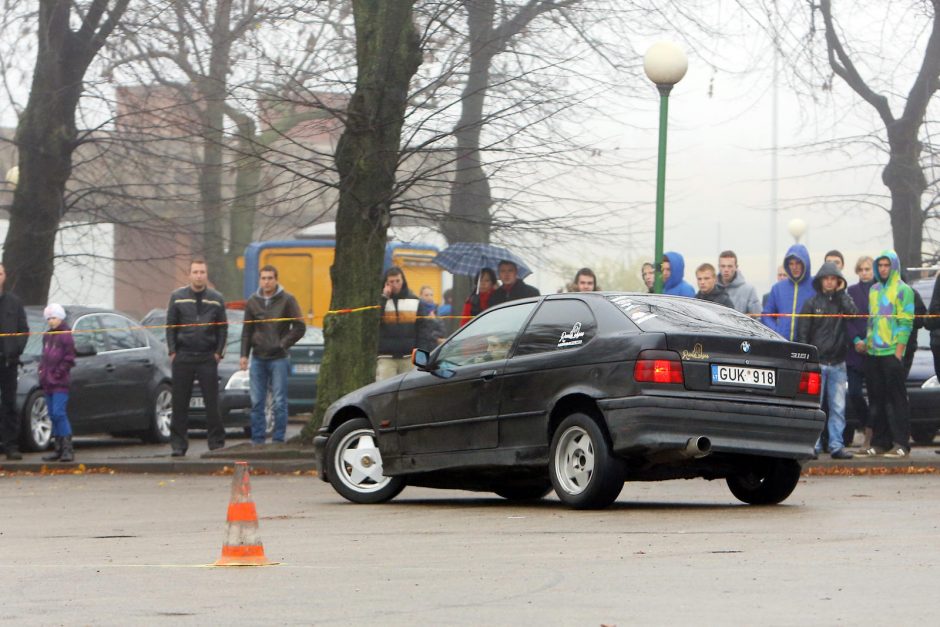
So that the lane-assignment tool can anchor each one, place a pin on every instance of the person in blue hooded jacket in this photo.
(789, 294)
(673, 279)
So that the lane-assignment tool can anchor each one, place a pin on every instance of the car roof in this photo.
(80, 310)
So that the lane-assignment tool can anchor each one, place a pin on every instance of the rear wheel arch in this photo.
(572, 404)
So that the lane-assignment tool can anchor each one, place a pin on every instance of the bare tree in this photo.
(47, 135)
(387, 56)
(904, 173)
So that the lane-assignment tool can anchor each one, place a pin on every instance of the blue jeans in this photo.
(55, 404)
(834, 381)
(262, 373)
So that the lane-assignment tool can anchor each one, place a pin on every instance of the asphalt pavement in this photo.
(134, 549)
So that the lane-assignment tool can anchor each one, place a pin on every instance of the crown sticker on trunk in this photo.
(696, 353)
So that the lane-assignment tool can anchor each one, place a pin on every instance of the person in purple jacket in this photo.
(58, 357)
(855, 359)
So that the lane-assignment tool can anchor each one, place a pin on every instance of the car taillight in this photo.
(810, 383)
(658, 371)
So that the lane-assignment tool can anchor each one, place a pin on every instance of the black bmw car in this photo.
(581, 392)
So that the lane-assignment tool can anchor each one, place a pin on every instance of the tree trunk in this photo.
(213, 89)
(45, 138)
(471, 197)
(387, 55)
(241, 218)
(905, 179)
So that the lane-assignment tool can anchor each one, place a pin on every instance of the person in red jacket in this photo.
(477, 302)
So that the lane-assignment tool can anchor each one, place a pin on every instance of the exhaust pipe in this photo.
(697, 447)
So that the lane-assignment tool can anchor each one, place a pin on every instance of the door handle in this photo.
(488, 375)
(109, 368)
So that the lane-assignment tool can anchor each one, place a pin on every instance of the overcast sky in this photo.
(718, 189)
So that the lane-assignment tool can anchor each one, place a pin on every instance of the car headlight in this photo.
(239, 381)
(931, 383)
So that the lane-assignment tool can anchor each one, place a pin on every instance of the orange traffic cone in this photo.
(242, 546)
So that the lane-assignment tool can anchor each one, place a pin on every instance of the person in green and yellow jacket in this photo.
(890, 322)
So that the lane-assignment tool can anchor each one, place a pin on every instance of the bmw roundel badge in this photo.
(746, 347)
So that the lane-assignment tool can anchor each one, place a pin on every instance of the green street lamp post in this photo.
(665, 64)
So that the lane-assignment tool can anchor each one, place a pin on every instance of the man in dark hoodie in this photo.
(270, 342)
(674, 282)
(856, 329)
(402, 312)
(825, 328)
(788, 296)
(709, 288)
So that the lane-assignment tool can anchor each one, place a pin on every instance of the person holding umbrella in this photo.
(513, 287)
(480, 300)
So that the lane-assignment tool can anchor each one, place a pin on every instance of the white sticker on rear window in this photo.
(572, 337)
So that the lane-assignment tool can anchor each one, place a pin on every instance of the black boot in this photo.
(56, 452)
(68, 453)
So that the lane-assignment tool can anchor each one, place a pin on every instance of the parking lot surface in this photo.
(132, 549)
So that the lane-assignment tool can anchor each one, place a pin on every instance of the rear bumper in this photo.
(234, 405)
(641, 425)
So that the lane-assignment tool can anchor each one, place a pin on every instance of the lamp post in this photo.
(797, 228)
(665, 64)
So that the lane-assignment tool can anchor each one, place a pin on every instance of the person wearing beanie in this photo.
(58, 358)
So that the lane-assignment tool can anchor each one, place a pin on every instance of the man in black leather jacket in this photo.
(12, 320)
(195, 352)
(823, 327)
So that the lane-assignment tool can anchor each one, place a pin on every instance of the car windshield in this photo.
(313, 335)
(663, 314)
(156, 321)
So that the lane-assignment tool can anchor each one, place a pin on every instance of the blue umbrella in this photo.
(468, 258)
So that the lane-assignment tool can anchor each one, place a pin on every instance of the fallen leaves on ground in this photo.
(848, 471)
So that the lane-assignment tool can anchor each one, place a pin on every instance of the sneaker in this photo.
(841, 454)
(871, 451)
(178, 453)
(896, 453)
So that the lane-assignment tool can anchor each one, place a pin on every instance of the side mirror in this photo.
(85, 349)
(420, 359)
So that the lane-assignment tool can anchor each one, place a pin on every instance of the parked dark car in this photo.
(580, 393)
(923, 389)
(234, 397)
(120, 382)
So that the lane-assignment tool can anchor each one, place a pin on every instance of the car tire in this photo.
(36, 430)
(161, 413)
(766, 483)
(583, 470)
(355, 465)
(521, 492)
(923, 434)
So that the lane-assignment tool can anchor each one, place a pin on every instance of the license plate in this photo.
(197, 402)
(738, 375)
(306, 368)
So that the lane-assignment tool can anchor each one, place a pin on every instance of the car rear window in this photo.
(662, 314)
(558, 325)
